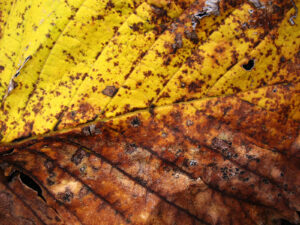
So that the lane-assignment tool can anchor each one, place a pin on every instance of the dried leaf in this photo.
(149, 112)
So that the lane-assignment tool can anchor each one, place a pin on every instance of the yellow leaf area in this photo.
(92, 60)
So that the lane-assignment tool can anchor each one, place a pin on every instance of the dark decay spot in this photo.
(78, 156)
(249, 65)
(66, 196)
(226, 110)
(151, 109)
(141, 181)
(135, 122)
(57, 219)
(148, 73)
(49, 165)
(110, 91)
(266, 181)
(83, 192)
(189, 123)
(73, 113)
(192, 36)
(26, 180)
(193, 163)
(50, 182)
(69, 18)
(99, 17)
(136, 26)
(167, 61)
(185, 162)
(91, 130)
(195, 86)
(12, 176)
(285, 222)
(224, 147)
(109, 5)
(1, 68)
(82, 169)
(160, 12)
(98, 54)
(178, 43)
(130, 148)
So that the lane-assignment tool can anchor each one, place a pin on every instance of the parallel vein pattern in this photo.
(149, 112)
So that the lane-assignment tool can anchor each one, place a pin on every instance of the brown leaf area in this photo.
(188, 166)
(21, 205)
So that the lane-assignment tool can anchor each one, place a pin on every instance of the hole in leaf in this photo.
(8, 152)
(249, 65)
(12, 175)
(285, 222)
(200, 15)
(32, 185)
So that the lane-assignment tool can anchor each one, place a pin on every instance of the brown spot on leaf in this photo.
(192, 36)
(49, 165)
(78, 156)
(137, 26)
(148, 73)
(194, 86)
(83, 192)
(109, 5)
(130, 148)
(135, 122)
(110, 91)
(178, 43)
(66, 196)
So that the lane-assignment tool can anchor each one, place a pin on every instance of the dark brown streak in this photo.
(139, 182)
(48, 192)
(59, 119)
(25, 204)
(77, 178)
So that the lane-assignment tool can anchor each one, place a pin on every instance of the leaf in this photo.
(20, 204)
(149, 112)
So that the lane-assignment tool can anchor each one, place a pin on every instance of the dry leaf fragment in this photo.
(149, 112)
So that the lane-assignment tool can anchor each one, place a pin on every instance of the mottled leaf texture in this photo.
(149, 112)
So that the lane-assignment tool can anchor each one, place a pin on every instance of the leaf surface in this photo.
(149, 112)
